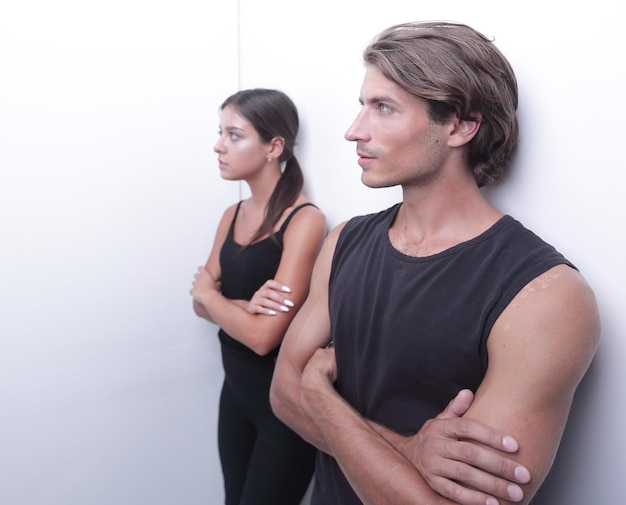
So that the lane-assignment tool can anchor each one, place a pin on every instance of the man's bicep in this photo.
(310, 328)
(309, 331)
(539, 350)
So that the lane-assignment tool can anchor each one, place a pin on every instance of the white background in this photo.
(110, 195)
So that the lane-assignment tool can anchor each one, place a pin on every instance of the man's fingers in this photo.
(474, 431)
(463, 483)
(461, 428)
(480, 463)
(458, 405)
(463, 465)
(461, 495)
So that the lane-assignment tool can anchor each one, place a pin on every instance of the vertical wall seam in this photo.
(240, 187)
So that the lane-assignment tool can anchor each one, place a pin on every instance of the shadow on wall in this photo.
(572, 449)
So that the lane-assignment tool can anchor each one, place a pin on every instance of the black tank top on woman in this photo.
(245, 269)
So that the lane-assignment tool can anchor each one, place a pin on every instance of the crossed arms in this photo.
(539, 349)
(244, 320)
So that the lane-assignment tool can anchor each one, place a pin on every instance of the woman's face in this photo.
(240, 152)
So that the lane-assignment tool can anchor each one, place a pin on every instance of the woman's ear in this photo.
(464, 130)
(276, 147)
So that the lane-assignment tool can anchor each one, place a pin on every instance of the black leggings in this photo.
(263, 461)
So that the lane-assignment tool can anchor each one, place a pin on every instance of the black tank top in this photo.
(245, 269)
(410, 332)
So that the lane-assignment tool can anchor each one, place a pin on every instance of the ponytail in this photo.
(284, 195)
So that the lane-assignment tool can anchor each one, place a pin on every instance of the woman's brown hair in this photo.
(273, 114)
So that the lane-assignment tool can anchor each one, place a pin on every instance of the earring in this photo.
(269, 160)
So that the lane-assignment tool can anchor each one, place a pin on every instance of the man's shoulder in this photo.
(518, 241)
(370, 219)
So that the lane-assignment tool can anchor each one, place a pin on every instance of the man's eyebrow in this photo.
(379, 99)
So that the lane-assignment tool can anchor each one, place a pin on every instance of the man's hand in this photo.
(460, 459)
(270, 299)
(456, 457)
(318, 377)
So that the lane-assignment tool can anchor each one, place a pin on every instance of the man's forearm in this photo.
(286, 404)
(450, 460)
(378, 473)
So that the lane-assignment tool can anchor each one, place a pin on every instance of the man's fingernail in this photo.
(509, 443)
(515, 492)
(522, 474)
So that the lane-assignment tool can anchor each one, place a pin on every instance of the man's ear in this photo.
(463, 130)
(275, 147)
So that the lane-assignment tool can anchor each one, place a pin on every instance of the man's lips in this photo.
(364, 158)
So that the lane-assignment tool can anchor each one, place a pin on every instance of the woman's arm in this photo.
(212, 265)
(248, 323)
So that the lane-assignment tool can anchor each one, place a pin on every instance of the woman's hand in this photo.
(203, 283)
(270, 299)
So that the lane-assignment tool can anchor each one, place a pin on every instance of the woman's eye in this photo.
(230, 135)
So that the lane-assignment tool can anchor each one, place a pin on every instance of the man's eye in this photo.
(383, 107)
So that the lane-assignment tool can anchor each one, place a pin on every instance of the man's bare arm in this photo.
(309, 331)
(539, 350)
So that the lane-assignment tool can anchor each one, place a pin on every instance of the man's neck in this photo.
(429, 222)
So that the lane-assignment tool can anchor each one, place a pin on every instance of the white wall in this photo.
(109, 198)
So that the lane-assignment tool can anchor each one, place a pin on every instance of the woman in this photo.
(256, 278)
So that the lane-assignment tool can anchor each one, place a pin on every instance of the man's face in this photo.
(396, 141)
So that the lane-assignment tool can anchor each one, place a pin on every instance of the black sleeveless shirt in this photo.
(410, 332)
(245, 269)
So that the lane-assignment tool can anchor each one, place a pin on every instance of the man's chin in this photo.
(375, 184)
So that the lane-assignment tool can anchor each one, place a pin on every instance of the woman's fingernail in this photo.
(271, 312)
(284, 309)
(286, 289)
(289, 303)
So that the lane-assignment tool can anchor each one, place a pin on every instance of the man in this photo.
(437, 294)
